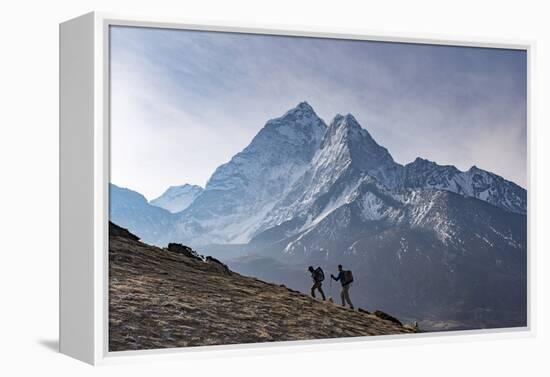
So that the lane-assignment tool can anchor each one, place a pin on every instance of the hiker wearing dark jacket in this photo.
(344, 294)
(318, 276)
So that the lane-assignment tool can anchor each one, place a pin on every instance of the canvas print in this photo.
(269, 188)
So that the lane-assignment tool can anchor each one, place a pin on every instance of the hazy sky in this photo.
(184, 102)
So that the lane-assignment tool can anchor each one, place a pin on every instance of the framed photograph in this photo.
(227, 187)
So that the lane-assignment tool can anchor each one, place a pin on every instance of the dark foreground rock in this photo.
(184, 250)
(117, 231)
(387, 317)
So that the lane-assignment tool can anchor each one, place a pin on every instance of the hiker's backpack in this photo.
(319, 274)
(348, 277)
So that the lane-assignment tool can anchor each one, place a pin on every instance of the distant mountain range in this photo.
(430, 242)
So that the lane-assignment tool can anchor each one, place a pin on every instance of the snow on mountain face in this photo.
(457, 220)
(241, 192)
(364, 153)
(422, 253)
(177, 198)
(475, 182)
(353, 181)
(296, 171)
(289, 140)
(329, 163)
(347, 158)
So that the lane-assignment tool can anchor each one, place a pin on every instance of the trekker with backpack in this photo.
(345, 278)
(318, 276)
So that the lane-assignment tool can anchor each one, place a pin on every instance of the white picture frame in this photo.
(84, 179)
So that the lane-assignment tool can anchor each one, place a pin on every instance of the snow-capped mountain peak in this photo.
(242, 191)
(300, 116)
(302, 109)
(345, 127)
(345, 135)
(298, 126)
(346, 130)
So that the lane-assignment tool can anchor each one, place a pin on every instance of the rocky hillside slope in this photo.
(164, 298)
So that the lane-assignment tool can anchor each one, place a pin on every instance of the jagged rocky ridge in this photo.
(165, 298)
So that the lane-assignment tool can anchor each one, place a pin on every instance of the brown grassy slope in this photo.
(160, 299)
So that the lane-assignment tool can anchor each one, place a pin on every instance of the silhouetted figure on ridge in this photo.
(345, 278)
(318, 276)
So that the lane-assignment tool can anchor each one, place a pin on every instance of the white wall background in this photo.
(29, 187)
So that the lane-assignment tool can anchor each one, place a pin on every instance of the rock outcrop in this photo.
(184, 250)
